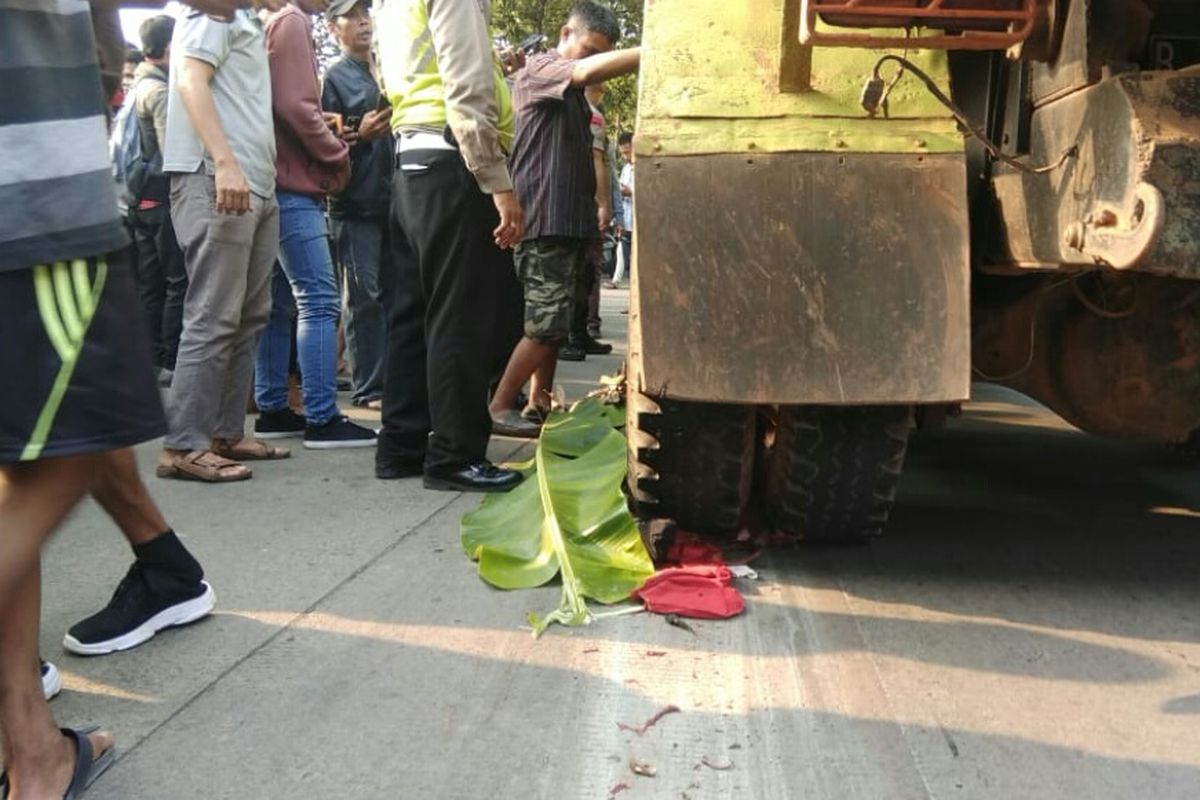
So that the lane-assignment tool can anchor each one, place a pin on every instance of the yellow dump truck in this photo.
(847, 210)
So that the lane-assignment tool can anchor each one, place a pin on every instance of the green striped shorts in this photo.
(75, 370)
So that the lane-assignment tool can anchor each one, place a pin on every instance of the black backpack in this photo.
(130, 166)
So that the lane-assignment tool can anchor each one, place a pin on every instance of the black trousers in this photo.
(585, 311)
(453, 308)
(162, 281)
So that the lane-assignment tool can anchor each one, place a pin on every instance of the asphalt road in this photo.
(1028, 628)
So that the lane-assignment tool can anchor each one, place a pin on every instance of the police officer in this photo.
(453, 218)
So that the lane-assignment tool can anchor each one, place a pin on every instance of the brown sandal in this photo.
(249, 450)
(202, 465)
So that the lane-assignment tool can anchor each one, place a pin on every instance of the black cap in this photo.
(339, 8)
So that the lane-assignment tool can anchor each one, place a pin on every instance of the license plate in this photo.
(1174, 52)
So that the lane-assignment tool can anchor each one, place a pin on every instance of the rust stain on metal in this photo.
(976, 24)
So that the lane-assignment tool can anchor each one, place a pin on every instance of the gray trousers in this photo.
(359, 245)
(228, 260)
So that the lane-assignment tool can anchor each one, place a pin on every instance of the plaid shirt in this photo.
(551, 162)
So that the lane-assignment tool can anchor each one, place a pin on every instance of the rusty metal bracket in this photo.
(966, 24)
(1116, 240)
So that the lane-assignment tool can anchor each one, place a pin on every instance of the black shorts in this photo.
(75, 369)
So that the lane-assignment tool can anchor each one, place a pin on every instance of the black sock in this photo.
(165, 553)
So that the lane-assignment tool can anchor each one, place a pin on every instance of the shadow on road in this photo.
(1096, 535)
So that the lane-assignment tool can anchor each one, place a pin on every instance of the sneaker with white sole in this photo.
(51, 680)
(279, 424)
(338, 433)
(141, 606)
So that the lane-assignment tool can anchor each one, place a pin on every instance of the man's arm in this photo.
(195, 90)
(156, 108)
(603, 66)
(618, 212)
(375, 122)
(463, 45)
(331, 98)
(331, 103)
(295, 95)
(603, 189)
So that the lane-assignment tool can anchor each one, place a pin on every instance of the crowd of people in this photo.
(454, 214)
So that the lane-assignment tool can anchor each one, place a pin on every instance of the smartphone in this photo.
(353, 121)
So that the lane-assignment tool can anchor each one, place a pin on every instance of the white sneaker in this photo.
(51, 680)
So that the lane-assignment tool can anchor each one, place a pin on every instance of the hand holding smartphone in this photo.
(334, 121)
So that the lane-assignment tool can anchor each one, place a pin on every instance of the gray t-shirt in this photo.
(241, 90)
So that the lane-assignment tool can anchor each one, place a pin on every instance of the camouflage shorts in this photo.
(549, 268)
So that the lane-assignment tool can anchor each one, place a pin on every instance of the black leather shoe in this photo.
(571, 352)
(481, 476)
(393, 469)
(593, 347)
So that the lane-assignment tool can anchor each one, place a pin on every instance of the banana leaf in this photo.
(567, 517)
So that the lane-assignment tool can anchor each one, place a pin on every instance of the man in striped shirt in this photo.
(555, 179)
(79, 379)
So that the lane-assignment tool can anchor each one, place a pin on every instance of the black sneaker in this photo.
(338, 433)
(571, 352)
(51, 680)
(137, 611)
(279, 424)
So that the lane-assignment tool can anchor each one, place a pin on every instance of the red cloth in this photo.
(702, 591)
(688, 550)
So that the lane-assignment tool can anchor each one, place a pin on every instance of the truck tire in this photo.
(831, 472)
(690, 462)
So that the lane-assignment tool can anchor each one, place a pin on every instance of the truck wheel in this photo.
(690, 462)
(831, 472)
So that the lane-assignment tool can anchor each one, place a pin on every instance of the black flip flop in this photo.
(87, 769)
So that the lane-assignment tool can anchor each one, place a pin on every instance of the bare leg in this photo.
(527, 358)
(541, 389)
(34, 499)
(120, 491)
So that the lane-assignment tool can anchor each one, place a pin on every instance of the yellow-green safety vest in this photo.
(413, 83)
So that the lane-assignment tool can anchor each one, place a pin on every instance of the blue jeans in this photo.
(359, 244)
(308, 268)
